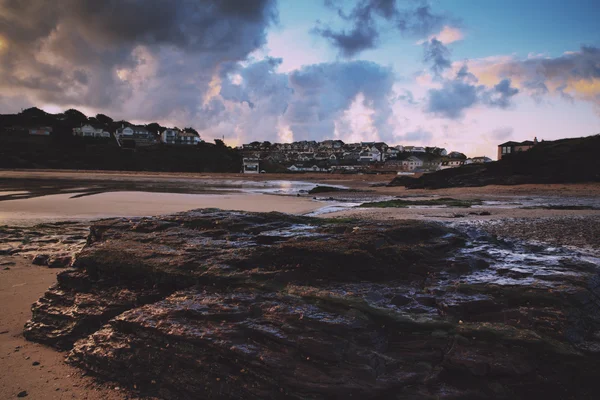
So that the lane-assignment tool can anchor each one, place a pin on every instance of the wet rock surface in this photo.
(53, 244)
(211, 304)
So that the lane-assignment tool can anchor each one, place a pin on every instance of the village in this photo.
(327, 156)
(337, 156)
(305, 156)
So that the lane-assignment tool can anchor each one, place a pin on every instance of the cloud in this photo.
(367, 17)
(573, 75)
(254, 100)
(185, 62)
(438, 55)
(407, 97)
(502, 133)
(452, 99)
(462, 92)
(501, 94)
(420, 135)
(447, 35)
(143, 57)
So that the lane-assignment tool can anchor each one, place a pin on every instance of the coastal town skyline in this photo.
(420, 73)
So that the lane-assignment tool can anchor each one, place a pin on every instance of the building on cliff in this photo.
(515, 147)
(134, 136)
(183, 137)
(89, 130)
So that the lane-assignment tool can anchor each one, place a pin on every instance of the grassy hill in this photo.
(559, 161)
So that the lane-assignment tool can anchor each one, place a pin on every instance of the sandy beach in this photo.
(21, 283)
(61, 207)
(30, 367)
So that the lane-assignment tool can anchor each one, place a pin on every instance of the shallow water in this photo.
(515, 262)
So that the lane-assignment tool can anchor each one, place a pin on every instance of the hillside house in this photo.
(432, 165)
(411, 163)
(89, 130)
(176, 136)
(134, 136)
(332, 144)
(515, 147)
(378, 153)
(365, 156)
(391, 152)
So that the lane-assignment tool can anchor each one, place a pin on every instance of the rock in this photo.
(211, 304)
(400, 300)
(60, 261)
(35, 363)
(40, 259)
(22, 394)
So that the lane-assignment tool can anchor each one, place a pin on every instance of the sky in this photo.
(465, 75)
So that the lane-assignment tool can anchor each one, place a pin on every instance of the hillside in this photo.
(62, 150)
(559, 161)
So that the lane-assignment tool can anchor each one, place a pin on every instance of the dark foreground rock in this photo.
(210, 304)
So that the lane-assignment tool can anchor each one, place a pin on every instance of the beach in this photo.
(43, 197)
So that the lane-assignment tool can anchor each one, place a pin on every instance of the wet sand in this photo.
(62, 207)
(50, 378)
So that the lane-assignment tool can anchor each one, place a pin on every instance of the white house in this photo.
(411, 163)
(175, 136)
(376, 154)
(88, 130)
(132, 136)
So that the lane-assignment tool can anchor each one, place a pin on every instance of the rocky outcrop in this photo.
(211, 304)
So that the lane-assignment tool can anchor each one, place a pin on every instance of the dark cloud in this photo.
(353, 41)
(463, 92)
(464, 75)
(438, 55)
(452, 99)
(501, 95)
(366, 18)
(115, 54)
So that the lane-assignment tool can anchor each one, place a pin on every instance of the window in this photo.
(506, 150)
